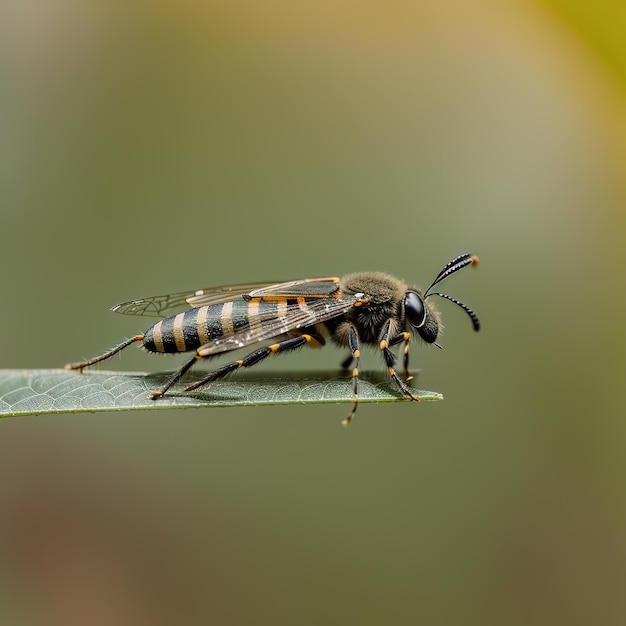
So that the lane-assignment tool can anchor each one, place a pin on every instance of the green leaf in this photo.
(36, 392)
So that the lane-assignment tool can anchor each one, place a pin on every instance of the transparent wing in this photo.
(272, 325)
(162, 306)
(303, 288)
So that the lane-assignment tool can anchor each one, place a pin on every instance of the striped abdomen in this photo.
(199, 326)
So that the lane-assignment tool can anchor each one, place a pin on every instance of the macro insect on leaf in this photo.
(364, 308)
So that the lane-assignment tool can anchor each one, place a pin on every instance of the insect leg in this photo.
(255, 357)
(396, 340)
(103, 357)
(353, 343)
(389, 357)
(175, 377)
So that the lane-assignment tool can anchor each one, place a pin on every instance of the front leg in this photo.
(406, 337)
(384, 343)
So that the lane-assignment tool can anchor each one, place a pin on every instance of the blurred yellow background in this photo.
(152, 147)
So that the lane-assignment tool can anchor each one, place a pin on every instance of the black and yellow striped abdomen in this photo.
(197, 327)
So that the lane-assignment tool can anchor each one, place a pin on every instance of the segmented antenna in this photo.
(458, 263)
(472, 315)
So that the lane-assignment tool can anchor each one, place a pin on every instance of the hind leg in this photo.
(256, 357)
(103, 357)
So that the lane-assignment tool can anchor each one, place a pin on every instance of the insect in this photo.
(364, 308)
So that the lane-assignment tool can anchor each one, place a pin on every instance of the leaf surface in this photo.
(36, 392)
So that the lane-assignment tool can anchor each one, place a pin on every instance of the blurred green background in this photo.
(150, 147)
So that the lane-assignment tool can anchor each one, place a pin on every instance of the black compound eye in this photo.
(414, 309)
